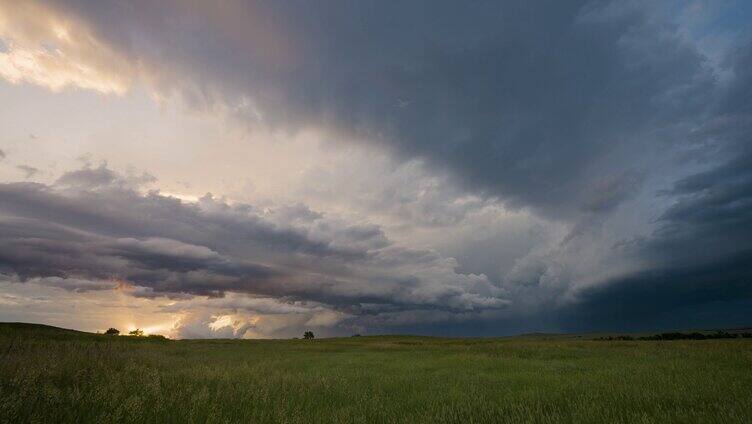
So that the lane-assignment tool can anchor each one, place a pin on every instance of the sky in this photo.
(257, 169)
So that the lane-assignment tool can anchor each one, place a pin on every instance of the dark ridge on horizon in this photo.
(36, 326)
(53, 330)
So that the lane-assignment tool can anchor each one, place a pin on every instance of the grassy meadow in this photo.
(52, 375)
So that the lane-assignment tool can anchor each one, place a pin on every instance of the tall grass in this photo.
(52, 376)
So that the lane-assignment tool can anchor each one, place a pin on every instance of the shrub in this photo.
(308, 335)
(112, 332)
(137, 332)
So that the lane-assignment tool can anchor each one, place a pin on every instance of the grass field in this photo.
(53, 375)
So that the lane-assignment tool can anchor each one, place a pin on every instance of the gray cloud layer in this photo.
(575, 111)
(537, 103)
(94, 228)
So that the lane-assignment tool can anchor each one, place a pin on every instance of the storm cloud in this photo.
(545, 166)
(535, 103)
(105, 232)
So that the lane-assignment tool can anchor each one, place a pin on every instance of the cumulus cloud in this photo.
(247, 316)
(105, 231)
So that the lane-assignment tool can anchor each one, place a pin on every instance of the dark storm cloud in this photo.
(715, 294)
(696, 267)
(699, 259)
(570, 109)
(532, 101)
(89, 226)
(711, 216)
(120, 212)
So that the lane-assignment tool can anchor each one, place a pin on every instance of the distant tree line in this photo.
(683, 336)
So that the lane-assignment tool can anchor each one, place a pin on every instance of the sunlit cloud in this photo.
(54, 71)
(44, 48)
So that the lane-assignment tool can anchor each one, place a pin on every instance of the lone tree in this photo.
(308, 335)
(112, 332)
(137, 332)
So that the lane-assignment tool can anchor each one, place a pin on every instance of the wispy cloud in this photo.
(29, 171)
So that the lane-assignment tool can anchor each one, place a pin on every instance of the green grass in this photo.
(52, 375)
